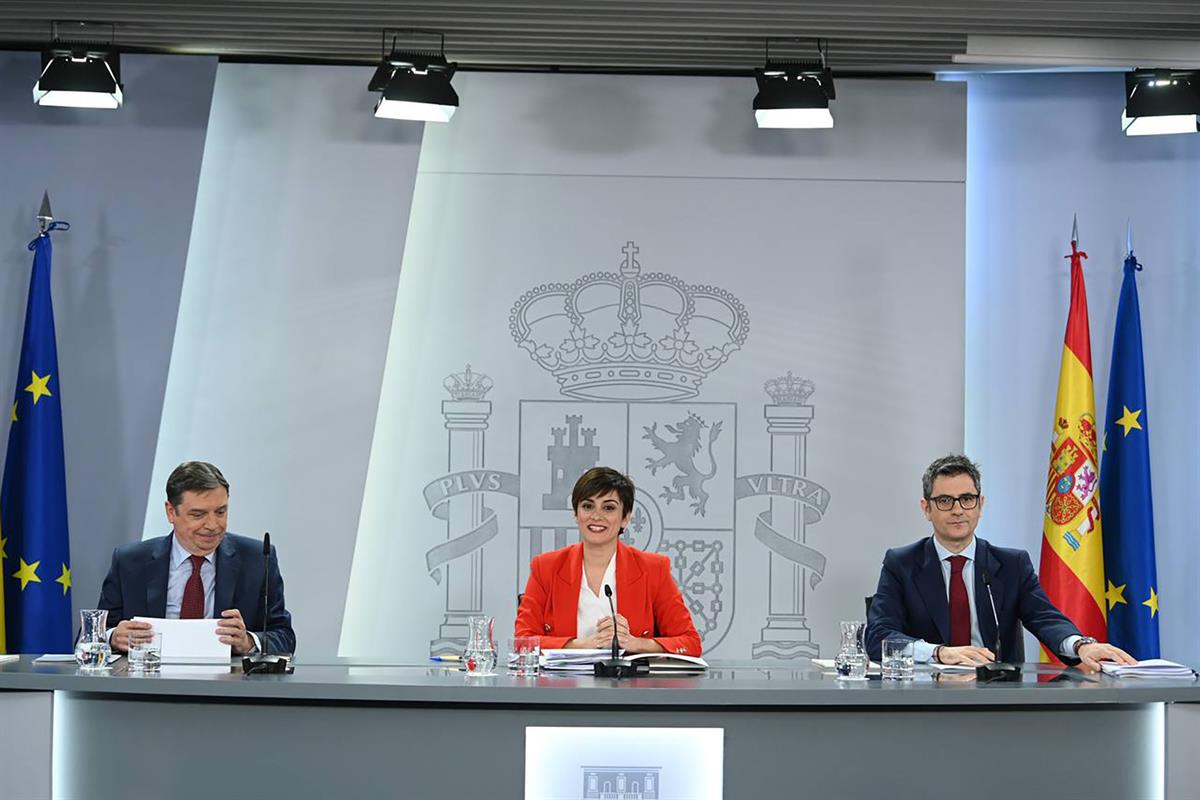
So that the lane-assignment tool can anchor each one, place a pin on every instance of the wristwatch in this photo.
(1081, 641)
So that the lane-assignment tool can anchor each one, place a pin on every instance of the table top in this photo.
(726, 684)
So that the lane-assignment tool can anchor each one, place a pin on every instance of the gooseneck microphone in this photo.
(262, 661)
(997, 670)
(616, 646)
(617, 667)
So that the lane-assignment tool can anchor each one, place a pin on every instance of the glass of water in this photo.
(145, 651)
(524, 652)
(897, 662)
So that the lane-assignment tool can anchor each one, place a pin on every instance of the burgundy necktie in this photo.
(193, 592)
(960, 607)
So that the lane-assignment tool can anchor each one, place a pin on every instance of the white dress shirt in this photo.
(593, 607)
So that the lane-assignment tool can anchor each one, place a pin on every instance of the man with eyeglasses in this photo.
(936, 591)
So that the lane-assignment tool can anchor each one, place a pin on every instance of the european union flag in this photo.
(33, 499)
(1131, 578)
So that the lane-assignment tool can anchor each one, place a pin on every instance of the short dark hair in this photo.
(193, 476)
(602, 480)
(948, 467)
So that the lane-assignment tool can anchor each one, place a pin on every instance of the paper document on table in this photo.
(1151, 668)
(952, 667)
(189, 641)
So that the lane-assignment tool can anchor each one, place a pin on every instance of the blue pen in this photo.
(445, 658)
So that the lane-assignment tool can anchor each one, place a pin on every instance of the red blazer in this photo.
(646, 596)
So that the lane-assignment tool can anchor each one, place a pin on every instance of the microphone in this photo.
(616, 649)
(262, 661)
(617, 667)
(997, 670)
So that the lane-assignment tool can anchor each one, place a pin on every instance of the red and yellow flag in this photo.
(1072, 549)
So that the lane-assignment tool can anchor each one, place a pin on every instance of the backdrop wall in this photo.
(126, 181)
(631, 263)
(284, 317)
(1041, 148)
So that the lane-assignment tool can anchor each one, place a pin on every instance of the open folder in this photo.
(189, 641)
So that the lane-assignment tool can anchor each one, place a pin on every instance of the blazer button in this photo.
(546, 627)
(645, 633)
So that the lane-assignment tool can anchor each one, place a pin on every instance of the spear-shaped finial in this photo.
(1129, 237)
(1074, 228)
(45, 216)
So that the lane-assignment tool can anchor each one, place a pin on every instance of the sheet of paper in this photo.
(189, 641)
(952, 667)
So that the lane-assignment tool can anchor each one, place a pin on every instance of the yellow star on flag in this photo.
(1129, 420)
(1114, 595)
(64, 579)
(27, 574)
(1152, 603)
(38, 387)
(3, 555)
(14, 416)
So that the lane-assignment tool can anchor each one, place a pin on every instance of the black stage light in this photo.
(78, 73)
(414, 84)
(794, 94)
(1159, 101)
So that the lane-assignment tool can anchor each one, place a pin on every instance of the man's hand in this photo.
(967, 654)
(231, 630)
(124, 630)
(1092, 654)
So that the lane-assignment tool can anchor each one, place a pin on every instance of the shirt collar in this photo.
(610, 575)
(180, 555)
(943, 553)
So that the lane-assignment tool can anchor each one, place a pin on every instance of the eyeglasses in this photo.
(945, 502)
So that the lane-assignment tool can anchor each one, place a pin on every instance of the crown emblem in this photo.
(467, 385)
(627, 335)
(788, 390)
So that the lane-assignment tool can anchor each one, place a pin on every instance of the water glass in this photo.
(145, 652)
(897, 662)
(524, 653)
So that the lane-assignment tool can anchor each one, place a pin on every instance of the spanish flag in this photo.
(1072, 547)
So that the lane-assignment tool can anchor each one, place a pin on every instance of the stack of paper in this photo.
(582, 660)
(573, 660)
(1151, 668)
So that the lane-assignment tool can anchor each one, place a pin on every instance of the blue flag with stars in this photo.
(1131, 577)
(33, 498)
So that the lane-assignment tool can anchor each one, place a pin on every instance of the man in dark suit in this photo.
(198, 571)
(935, 591)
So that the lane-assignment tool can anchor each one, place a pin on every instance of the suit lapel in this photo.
(932, 586)
(984, 560)
(158, 571)
(229, 570)
(631, 584)
(565, 596)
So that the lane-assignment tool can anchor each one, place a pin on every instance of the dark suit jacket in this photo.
(136, 586)
(912, 601)
(646, 596)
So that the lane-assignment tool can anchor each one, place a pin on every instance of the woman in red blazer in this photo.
(651, 615)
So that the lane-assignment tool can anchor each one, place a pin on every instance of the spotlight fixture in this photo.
(1159, 101)
(414, 83)
(77, 71)
(794, 94)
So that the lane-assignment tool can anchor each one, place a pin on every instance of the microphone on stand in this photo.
(617, 667)
(262, 661)
(997, 670)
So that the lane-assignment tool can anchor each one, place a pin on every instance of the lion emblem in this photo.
(681, 454)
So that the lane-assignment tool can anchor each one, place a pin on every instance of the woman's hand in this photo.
(625, 639)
